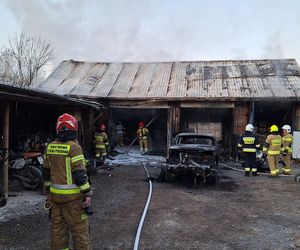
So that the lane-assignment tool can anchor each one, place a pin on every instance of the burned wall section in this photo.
(31, 125)
(296, 122)
(241, 114)
(215, 121)
(271, 112)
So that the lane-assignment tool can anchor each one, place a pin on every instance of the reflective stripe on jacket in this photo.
(287, 143)
(142, 132)
(64, 159)
(248, 143)
(272, 145)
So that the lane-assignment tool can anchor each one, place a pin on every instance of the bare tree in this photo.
(23, 59)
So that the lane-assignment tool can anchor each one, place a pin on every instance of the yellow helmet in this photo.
(274, 128)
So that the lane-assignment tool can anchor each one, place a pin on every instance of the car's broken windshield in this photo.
(196, 140)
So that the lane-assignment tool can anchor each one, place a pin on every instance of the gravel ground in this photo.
(237, 213)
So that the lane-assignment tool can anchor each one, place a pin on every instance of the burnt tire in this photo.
(168, 175)
(162, 176)
(297, 178)
(34, 177)
(212, 179)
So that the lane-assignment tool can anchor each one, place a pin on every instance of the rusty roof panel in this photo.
(232, 71)
(295, 84)
(141, 83)
(56, 77)
(178, 80)
(108, 80)
(169, 80)
(160, 80)
(90, 80)
(73, 79)
(124, 81)
(258, 88)
(217, 88)
(66, 87)
(237, 87)
(195, 88)
(280, 86)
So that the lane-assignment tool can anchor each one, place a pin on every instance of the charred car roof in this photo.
(194, 141)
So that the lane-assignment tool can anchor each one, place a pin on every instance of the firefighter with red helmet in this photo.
(287, 150)
(142, 134)
(101, 143)
(69, 190)
(272, 148)
(248, 145)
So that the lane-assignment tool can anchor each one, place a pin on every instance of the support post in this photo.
(5, 146)
(296, 122)
(173, 123)
(240, 119)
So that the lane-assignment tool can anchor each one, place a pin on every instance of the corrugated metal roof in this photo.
(217, 80)
(11, 92)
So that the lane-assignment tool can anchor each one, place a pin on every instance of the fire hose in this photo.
(139, 230)
(241, 170)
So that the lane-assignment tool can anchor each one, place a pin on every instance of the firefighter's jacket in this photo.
(287, 142)
(248, 143)
(142, 132)
(64, 171)
(100, 140)
(272, 145)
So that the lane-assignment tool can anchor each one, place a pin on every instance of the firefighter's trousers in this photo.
(250, 162)
(69, 217)
(273, 164)
(143, 143)
(287, 168)
(100, 151)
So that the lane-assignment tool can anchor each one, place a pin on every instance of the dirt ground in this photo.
(237, 213)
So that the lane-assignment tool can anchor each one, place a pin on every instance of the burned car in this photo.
(193, 154)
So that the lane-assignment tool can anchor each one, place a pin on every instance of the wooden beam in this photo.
(173, 122)
(6, 147)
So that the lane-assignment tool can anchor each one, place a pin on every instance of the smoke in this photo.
(274, 44)
(162, 30)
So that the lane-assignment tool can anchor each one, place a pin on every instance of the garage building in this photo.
(215, 97)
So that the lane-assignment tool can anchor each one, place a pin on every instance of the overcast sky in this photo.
(158, 30)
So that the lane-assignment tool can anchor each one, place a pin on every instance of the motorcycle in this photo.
(262, 163)
(26, 168)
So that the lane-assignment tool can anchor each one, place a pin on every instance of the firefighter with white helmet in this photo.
(287, 150)
(272, 148)
(69, 190)
(248, 145)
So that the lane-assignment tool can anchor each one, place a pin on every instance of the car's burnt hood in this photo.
(193, 147)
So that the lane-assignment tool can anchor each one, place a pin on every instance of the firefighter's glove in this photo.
(87, 200)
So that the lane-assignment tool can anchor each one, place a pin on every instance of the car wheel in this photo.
(297, 178)
(168, 175)
(162, 176)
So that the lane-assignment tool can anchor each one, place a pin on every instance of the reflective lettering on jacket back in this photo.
(248, 140)
(58, 149)
(276, 142)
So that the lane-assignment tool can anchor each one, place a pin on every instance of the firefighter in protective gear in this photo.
(69, 190)
(142, 134)
(101, 143)
(286, 150)
(248, 145)
(272, 148)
